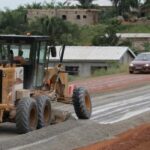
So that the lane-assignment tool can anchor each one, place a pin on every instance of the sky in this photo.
(12, 4)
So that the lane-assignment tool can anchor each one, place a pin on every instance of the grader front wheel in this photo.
(82, 103)
(26, 115)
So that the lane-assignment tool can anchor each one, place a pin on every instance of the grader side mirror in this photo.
(53, 51)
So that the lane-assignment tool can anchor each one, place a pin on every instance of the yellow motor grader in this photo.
(28, 84)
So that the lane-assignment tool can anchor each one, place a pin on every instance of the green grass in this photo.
(135, 28)
(88, 32)
(74, 78)
(113, 70)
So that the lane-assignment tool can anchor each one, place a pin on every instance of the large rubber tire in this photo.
(44, 111)
(82, 103)
(26, 115)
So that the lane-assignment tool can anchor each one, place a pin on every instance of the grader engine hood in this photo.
(11, 79)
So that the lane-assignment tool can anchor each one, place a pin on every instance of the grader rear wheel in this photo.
(44, 111)
(82, 103)
(26, 115)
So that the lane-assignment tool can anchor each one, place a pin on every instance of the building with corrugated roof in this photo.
(84, 60)
(138, 39)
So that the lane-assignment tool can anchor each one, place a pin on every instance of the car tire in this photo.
(131, 72)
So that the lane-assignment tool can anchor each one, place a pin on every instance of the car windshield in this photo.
(145, 57)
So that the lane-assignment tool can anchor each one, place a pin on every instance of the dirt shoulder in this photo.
(110, 83)
(134, 139)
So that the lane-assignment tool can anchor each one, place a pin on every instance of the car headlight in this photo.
(146, 65)
(131, 65)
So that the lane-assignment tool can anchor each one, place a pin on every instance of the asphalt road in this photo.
(109, 111)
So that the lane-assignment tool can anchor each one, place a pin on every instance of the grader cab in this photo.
(28, 84)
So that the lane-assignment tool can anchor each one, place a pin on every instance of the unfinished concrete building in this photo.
(138, 40)
(77, 16)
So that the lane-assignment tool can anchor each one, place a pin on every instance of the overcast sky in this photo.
(12, 4)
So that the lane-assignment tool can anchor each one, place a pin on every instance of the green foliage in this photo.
(109, 38)
(34, 5)
(114, 69)
(147, 47)
(85, 3)
(147, 4)
(13, 21)
(88, 32)
(135, 28)
(61, 32)
(123, 6)
(127, 43)
(107, 15)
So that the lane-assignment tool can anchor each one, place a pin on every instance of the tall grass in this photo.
(115, 69)
(135, 28)
(88, 32)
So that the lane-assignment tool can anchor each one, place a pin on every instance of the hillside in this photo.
(88, 32)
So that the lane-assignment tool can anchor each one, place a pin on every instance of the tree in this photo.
(124, 6)
(34, 5)
(85, 3)
(49, 5)
(13, 21)
(147, 47)
(146, 4)
(115, 3)
(109, 38)
(61, 32)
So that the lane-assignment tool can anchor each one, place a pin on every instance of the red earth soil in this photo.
(112, 82)
(134, 139)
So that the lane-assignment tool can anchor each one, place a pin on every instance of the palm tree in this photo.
(147, 4)
(60, 31)
(123, 6)
(34, 5)
(85, 3)
(115, 2)
(49, 5)
(13, 21)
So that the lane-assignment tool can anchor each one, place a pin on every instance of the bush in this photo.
(148, 16)
(112, 70)
(126, 16)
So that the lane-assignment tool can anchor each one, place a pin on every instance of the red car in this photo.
(141, 63)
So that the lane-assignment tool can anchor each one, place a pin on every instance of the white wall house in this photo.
(83, 60)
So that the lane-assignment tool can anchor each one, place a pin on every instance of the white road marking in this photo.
(119, 110)
(126, 116)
